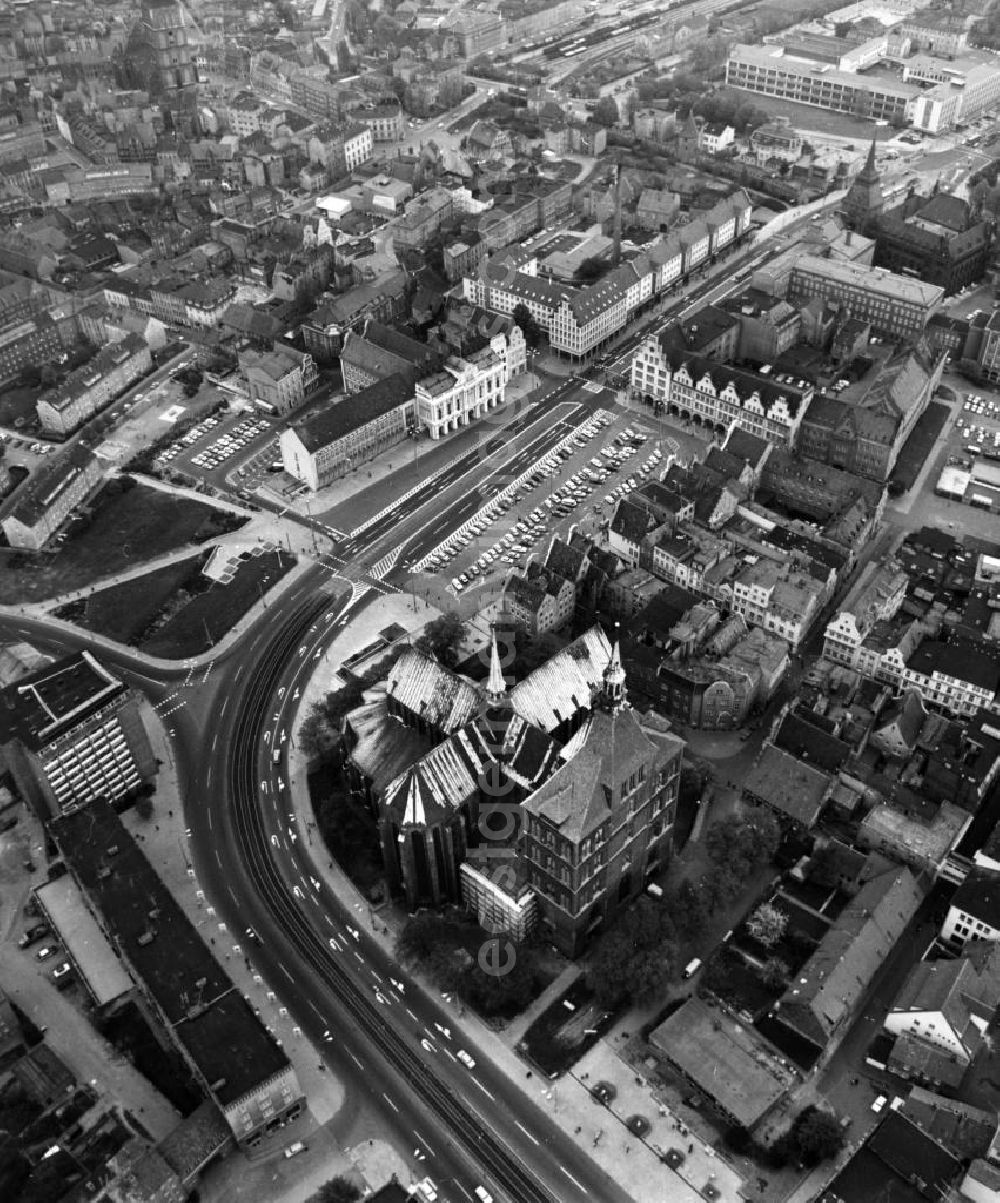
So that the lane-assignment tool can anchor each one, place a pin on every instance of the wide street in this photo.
(462, 1127)
(250, 859)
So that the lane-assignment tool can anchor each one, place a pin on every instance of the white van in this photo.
(692, 967)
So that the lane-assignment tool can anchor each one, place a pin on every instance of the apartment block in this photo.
(581, 320)
(897, 307)
(72, 733)
(36, 510)
(94, 385)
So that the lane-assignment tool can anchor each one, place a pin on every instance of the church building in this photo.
(545, 803)
(937, 239)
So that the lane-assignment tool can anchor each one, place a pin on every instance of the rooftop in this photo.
(795, 789)
(870, 279)
(725, 1059)
(50, 702)
(166, 953)
(353, 412)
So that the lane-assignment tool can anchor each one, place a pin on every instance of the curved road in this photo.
(469, 1126)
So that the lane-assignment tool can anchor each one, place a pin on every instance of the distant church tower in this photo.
(864, 201)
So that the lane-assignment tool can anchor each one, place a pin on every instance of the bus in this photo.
(980, 502)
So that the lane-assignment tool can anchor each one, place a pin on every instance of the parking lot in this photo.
(604, 465)
(210, 448)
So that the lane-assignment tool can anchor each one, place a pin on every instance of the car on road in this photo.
(426, 1190)
(45, 952)
(466, 1060)
(483, 1195)
(426, 1045)
(293, 1149)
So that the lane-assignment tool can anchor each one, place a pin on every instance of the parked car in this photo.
(35, 932)
(45, 952)
(61, 970)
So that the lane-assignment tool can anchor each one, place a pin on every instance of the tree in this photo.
(741, 844)
(502, 993)
(591, 269)
(767, 924)
(190, 378)
(421, 936)
(442, 638)
(529, 327)
(690, 907)
(606, 112)
(637, 957)
(816, 1136)
(336, 1190)
(774, 973)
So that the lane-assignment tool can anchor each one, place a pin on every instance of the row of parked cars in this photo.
(221, 448)
(528, 530)
(61, 969)
(974, 404)
(228, 444)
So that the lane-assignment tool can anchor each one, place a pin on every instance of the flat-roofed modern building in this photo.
(769, 70)
(896, 306)
(72, 732)
(235, 1059)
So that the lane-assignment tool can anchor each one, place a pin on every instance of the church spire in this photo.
(614, 679)
(870, 166)
(496, 686)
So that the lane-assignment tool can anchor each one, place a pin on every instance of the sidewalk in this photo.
(338, 1140)
(632, 1162)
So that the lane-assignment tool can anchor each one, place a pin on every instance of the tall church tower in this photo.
(613, 696)
(864, 201)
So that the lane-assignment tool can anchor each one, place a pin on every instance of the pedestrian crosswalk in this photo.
(384, 566)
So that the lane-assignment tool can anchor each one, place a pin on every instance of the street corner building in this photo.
(593, 783)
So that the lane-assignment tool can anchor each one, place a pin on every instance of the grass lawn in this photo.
(17, 406)
(128, 527)
(125, 611)
(807, 117)
(559, 1037)
(206, 618)
(736, 982)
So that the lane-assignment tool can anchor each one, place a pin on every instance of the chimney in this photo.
(616, 256)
